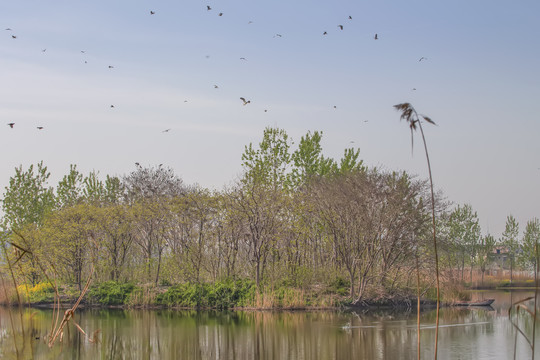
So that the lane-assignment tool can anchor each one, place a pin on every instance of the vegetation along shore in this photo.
(295, 230)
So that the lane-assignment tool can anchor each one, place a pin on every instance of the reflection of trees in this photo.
(258, 335)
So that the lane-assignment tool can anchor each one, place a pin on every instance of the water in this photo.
(162, 334)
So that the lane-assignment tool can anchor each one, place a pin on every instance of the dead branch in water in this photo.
(68, 314)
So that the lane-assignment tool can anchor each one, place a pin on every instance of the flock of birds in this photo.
(243, 99)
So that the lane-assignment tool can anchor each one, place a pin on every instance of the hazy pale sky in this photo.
(479, 80)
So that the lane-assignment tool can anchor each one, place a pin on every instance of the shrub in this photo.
(111, 293)
(42, 292)
(220, 295)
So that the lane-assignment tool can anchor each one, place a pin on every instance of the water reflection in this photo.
(135, 334)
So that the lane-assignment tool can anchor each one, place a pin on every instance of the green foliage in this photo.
(111, 293)
(339, 286)
(531, 238)
(220, 295)
(27, 198)
(267, 164)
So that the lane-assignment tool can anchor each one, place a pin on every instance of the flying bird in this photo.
(13, 36)
(376, 37)
(166, 130)
(335, 107)
(111, 67)
(43, 50)
(11, 125)
(220, 14)
(350, 17)
(250, 22)
(243, 58)
(325, 33)
(83, 51)
(340, 26)
(216, 87)
(208, 7)
(112, 106)
(278, 35)
(245, 101)
(422, 58)
(39, 127)
(8, 29)
(152, 12)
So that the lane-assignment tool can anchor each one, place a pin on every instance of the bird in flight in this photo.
(152, 12)
(208, 8)
(112, 106)
(278, 35)
(216, 87)
(111, 67)
(376, 37)
(8, 29)
(11, 125)
(39, 127)
(250, 22)
(325, 33)
(243, 58)
(350, 17)
(13, 36)
(335, 107)
(340, 26)
(43, 50)
(220, 14)
(166, 130)
(422, 58)
(245, 101)
(83, 51)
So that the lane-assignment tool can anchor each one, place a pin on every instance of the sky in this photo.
(473, 67)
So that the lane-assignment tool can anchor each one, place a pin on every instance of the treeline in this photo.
(293, 220)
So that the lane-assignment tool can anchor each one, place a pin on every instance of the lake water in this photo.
(163, 334)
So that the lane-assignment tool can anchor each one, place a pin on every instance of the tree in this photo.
(308, 160)
(465, 235)
(267, 165)
(531, 238)
(151, 191)
(261, 196)
(485, 249)
(510, 238)
(27, 201)
(69, 189)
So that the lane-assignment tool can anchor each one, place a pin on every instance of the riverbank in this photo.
(231, 295)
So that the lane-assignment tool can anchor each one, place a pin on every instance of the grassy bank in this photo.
(228, 294)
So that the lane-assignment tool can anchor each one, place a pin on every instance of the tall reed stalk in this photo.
(409, 114)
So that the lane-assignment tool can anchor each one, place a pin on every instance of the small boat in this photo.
(486, 302)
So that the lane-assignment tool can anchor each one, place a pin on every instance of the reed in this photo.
(409, 114)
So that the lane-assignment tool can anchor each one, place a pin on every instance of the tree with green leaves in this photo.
(28, 198)
(267, 164)
(308, 160)
(510, 239)
(531, 237)
(465, 236)
(26, 202)
(484, 252)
